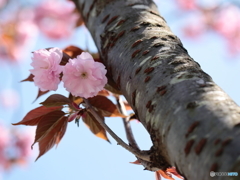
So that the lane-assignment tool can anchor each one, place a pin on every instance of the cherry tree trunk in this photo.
(193, 124)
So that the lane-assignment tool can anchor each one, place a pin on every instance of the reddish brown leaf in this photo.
(174, 172)
(94, 126)
(157, 176)
(73, 51)
(136, 162)
(104, 93)
(62, 130)
(32, 118)
(163, 174)
(56, 100)
(47, 122)
(127, 106)
(29, 78)
(79, 22)
(105, 106)
(50, 131)
(40, 93)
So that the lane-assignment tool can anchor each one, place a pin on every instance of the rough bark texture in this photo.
(193, 124)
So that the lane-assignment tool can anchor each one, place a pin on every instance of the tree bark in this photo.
(193, 124)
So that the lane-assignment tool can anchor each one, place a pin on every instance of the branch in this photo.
(126, 123)
(136, 152)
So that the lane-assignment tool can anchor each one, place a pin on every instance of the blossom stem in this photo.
(136, 152)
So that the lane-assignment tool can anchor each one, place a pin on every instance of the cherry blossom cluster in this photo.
(20, 27)
(82, 76)
(14, 147)
(211, 15)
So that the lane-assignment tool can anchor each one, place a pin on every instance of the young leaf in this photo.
(29, 78)
(40, 93)
(104, 93)
(56, 100)
(94, 126)
(105, 106)
(163, 174)
(136, 162)
(32, 118)
(53, 133)
(46, 124)
(73, 51)
(127, 106)
(173, 171)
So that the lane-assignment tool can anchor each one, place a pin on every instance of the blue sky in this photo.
(82, 156)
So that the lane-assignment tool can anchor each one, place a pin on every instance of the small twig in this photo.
(137, 153)
(126, 123)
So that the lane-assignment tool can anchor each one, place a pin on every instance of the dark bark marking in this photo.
(214, 167)
(118, 82)
(217, 141)
(154, 58)
(138, 70)
(163, 92)
(148, 104)
(147, 79)
(164, 39)
(137, 42)
(188, 146)
(105, 18)
(154, 37)
(135, 28)
(192, 105)
(145, 23)
(135, 53)
(219, 152)
(133, 97)
(226, 142)
(149, 70)
(121, 34)
(161, 88)
(200, 146)
(83, 5)
(158, 45)
(159, 25)
(192, 127)
(145, 52)
(121, 22)
(155, 13)
(91, 7)
(171, 37)
(112, 19)
(151, 108)
(189, 76)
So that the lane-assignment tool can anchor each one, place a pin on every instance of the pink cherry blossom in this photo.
(187, 4)
(195, 27)
(17, 35)
(46, 68)
(23, 142)
(227, 21)
(84, 77)
(55, 22)
(227, 24)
